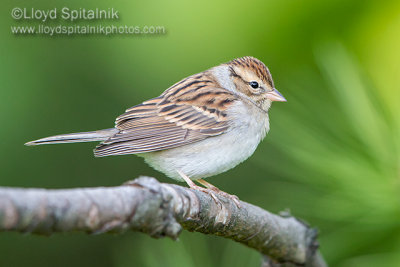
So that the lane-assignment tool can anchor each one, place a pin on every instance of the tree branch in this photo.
(159, 209)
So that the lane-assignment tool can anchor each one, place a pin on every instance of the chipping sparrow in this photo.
(201, 126)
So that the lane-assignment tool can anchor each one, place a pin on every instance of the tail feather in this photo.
(100, 135)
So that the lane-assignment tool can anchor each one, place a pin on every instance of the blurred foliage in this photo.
(332, 156)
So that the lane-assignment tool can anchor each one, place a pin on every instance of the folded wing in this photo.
(180, 116)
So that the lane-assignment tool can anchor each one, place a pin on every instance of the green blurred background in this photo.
(332, 156)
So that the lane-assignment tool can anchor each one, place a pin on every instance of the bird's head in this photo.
(253, 80)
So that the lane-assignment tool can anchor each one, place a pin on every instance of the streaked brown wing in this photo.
(180, 116)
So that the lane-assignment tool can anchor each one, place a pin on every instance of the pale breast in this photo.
(218, 154)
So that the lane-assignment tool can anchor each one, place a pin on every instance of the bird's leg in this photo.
(234, 198)
(208, 191)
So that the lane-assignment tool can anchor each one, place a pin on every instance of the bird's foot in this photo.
(234, 198)
(210, 189)
(218, 191)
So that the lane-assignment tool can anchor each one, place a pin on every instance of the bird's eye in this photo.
(254, 84)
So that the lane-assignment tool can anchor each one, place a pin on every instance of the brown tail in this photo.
(100, 135)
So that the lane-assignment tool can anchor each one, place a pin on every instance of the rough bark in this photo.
(159, 210)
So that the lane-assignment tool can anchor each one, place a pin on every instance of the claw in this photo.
(210, 190)
(234, 198)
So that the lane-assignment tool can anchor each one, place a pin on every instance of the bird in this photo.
(199, 127)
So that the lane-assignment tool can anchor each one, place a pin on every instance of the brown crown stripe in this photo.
(257, 66)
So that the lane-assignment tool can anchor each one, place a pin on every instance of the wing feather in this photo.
(187, 112)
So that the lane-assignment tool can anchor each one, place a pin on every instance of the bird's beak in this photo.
(274, 95)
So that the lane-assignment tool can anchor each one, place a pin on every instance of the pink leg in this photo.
(192, 185)
(210, 190)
